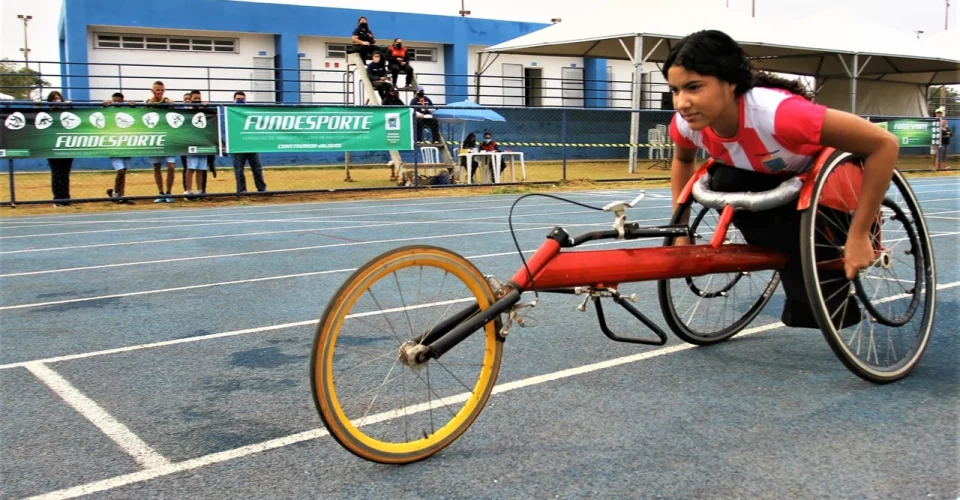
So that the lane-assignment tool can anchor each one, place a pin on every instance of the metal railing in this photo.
(557, 144)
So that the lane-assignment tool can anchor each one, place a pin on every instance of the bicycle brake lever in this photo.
(621, 205)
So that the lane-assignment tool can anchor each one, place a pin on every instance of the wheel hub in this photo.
(409, 352)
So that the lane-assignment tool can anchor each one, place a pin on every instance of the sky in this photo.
(926, 15)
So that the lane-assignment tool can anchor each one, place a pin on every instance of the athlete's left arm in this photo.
(853, 134)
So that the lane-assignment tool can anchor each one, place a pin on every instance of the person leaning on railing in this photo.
(157, 99)
(59, 167)
(121, 165)
(252, 158)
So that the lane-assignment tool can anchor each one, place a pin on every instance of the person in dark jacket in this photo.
(59, 167)
(364, 41)
(470, 143)
(399, 61)
(393, 97)
(377, 72)
(423, 109)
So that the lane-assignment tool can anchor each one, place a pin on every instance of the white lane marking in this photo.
(266, 278)
(319, 230)
(124, 438)
(940, 217)
(223, 456)
(263, 252)
(281, 221)
(189, 340)
(164, 343)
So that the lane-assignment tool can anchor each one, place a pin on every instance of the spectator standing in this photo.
(377, 72)
(423, 109)
(399, 62)
(157, 99)
(183, 158)
(945, 134)
(59, 167)
(121, 165)
(364, 41)
(196, 164)
(252, 158)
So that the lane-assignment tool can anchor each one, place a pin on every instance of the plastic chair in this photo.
(655, 142)
(429, 154)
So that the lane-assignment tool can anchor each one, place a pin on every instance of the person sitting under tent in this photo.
(377, 72)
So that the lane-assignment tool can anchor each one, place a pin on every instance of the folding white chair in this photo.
(655, 144)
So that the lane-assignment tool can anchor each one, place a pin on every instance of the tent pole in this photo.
(853, 85)
(635, 101)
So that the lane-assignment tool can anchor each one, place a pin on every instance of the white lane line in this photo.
(940, 217)
(267, 278)
(319, 230)
(152, 345)
(323, 218)
(124, 438)
(223, 456)
(200, 338)
(264, 252)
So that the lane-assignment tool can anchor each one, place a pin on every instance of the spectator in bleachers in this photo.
(59, 167)
(423, 109)
(399, 62)
(157, 99)
(196, 164)
(364, 41)
(252, 158)
(393, 97)
(377, 72)
(121, 165)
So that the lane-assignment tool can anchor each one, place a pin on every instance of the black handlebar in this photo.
(631, 231)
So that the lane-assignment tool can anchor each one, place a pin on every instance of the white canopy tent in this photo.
(845, 47)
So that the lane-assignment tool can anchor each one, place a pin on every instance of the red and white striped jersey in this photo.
(779, 133)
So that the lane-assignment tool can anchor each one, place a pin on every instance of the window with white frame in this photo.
(426, 54)
(167, 43)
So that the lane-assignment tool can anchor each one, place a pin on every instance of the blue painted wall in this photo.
(286, 22)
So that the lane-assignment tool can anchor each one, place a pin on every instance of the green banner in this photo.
(288, 130)
(911, 133)
(108, 132)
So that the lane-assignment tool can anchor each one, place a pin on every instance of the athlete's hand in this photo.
(857, 254)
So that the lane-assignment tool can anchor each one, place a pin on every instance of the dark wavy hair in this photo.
(714, 53)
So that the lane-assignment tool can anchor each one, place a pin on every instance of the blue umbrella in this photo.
(466, 111)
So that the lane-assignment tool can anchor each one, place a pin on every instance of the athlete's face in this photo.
(699, 99)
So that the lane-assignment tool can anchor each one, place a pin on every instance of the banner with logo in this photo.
(317, 129)
(912, 133)
(108, 132)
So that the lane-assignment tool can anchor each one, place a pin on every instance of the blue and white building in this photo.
(296, 54)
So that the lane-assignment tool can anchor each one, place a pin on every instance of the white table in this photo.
(513, 174)
(491, 158)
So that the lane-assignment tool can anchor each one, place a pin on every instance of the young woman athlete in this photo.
(761, 129)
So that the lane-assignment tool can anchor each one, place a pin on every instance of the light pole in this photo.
(753, 8)
(946, 14)
(463, 9)
(26, 47)
(918, 32)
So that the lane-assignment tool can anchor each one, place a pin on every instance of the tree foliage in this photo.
(19, 81)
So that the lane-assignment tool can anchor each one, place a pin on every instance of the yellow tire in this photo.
(426, 406)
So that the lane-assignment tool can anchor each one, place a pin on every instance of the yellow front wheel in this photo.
(378, 404)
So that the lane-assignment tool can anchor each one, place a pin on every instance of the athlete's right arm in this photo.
(682, 169)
